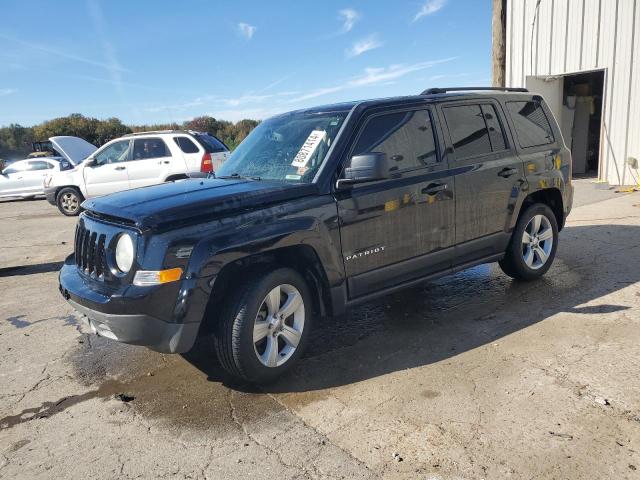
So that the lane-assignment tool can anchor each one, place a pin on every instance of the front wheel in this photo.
(68, 201)
(263, 329)
(533, 244)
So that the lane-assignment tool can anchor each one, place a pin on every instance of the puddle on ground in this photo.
(168, 389)
(436, 319)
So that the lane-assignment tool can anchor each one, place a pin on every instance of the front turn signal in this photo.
(145, 278)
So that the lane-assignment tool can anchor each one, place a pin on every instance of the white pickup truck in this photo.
(132, 161)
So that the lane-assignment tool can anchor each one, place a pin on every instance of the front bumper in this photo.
(134, 328)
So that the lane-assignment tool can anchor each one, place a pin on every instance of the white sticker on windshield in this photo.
(308, 148)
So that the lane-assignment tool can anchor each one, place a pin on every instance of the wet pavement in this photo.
(470, 376)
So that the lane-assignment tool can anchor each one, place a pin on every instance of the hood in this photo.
(73, 149)
(193, 200)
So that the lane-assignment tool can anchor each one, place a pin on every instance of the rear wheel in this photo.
(263, 329)
(533, 244)
(68, 201)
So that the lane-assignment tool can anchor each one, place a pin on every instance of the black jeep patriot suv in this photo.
(318, 210)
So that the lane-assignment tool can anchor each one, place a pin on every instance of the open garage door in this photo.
(576, 102)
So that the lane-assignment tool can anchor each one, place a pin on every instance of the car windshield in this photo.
(288, 148)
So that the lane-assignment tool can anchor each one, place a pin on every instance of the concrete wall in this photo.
(556, 37)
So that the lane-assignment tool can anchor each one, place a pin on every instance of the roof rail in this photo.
(434, 91)
(135, 134)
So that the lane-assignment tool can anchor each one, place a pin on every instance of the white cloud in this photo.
(363, 45)
(109, 51)
(430, 7)
(62, 54)
(372, 76)
(7, 91)
(348, 17)
(246, 30)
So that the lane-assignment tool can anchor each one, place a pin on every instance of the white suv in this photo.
(135, 160)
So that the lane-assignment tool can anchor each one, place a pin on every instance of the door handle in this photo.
(120, 168)
(434, 188)
(164, 161)
(507, 172)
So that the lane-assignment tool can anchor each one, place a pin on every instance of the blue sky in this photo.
(161, 61)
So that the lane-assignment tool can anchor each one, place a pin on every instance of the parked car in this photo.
(24, 178)
(135, 160)
(318, 210)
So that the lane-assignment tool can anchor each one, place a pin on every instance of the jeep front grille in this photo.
(90, 252)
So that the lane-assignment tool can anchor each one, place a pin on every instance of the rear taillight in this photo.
(207, 163)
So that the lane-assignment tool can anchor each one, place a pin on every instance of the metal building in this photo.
(583, 56)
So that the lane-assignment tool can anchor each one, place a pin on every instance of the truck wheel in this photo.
(533, 244)
(68, 201)
(263, 330)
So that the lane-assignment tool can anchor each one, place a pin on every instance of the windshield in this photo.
(287, 148)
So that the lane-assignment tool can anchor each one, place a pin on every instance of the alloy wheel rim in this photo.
(537, 242)
(69, 202)
(278, 326)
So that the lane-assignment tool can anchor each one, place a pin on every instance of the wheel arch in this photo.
(301, 258)
(552, 197)
(177, 176)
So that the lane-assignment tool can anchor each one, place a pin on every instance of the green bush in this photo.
(16, 140)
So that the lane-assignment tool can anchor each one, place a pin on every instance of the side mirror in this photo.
(2, 165)
(91, 162)
(365, 168)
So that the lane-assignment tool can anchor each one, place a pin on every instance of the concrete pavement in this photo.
(471, 376)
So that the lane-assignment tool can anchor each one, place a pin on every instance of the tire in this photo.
(248, 315)
(528, 261)
(68, 201)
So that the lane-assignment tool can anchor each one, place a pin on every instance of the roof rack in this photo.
(434, 91)
(192, 132)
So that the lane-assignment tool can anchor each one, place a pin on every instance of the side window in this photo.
(145, 148)
(14, 169)
(496, 134)
(406, 137)
(468, 130)
(532, 125)
(211, 144)
(39, 165)
(186, 145)
(114, 153)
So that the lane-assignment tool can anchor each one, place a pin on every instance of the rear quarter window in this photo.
(186, 145)
(211, 144)
(532, 126)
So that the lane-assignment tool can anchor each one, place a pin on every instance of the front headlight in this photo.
(125, 253)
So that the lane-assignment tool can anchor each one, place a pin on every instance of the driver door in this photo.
(108, 172)
(401, 228)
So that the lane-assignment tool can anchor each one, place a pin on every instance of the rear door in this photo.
(401, 228)
(109, 172)
(192, 152)
(150, 163)
(33, 176)
(489, 176)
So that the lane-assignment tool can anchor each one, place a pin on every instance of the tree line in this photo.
(16, 141)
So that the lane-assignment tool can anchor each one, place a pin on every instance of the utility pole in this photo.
(499, 27)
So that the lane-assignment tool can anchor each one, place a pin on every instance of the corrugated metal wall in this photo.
(555, 37)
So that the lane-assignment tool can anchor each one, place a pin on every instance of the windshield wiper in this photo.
(237, 175)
